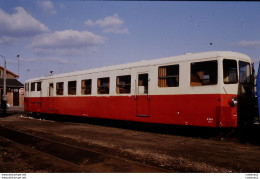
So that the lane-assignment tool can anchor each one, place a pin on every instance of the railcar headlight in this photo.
(233, 101)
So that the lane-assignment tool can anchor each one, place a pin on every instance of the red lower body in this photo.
(207, 110)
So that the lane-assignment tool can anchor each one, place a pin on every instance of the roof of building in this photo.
(7, 71)
(11, 83)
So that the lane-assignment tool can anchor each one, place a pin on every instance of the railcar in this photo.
(208, 89)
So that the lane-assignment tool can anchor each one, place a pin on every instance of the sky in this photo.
(69, 35)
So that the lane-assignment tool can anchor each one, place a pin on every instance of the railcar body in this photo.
(209, 89)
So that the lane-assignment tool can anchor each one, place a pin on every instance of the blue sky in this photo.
(65, 36)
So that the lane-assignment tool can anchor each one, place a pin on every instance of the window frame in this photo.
(60, 89)
(143, 83)
(32, 86)
(199, 81)
(126, 86)
(39, 86)
(101, 87)
(86, 87)
(26, 87)
(235, 82)
(72, 90)
(164, 79)
(250, 72)
(51, 89)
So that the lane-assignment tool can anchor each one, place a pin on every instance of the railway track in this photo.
(82, 159)
(246, 134)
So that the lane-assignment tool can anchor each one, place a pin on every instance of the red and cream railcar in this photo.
(201, 89)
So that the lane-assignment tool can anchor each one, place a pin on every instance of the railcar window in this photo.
(230, 71)
(244, 72)
(143, 83)
(168, 76)
(51, 89)
(123, 84)
(59, 88)
(72, 87)
(26, 86)
(32, 86)
(39, 86)
(86, 86)
(103, 85)
(204, 73)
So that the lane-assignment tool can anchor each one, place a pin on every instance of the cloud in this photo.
(67, 42)
(249, 44)
(117, 30)
(110, 24)
(58, 60)
(41, 59)
(7, 40)
(47, 7)
(90, 23)
(62, 6)
(50, 59)
(19, 24)
(111, 21)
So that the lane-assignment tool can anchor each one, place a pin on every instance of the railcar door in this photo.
(51, 99)
(245, 94)
(142, 95)
(39, 90)
(38, 94)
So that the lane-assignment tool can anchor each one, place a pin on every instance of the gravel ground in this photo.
(174, 153)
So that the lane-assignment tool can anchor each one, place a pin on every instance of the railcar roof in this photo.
(158, 61)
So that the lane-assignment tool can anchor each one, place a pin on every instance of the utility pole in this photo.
(18, 58)
(4, 95)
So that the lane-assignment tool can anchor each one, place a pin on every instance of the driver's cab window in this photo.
(230, 71)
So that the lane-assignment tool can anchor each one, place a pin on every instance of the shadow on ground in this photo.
(245, 134)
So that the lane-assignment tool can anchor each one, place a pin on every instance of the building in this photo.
(14, 88)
